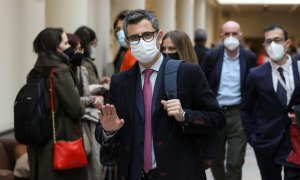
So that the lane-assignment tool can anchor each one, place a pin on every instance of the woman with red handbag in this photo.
(63, 101)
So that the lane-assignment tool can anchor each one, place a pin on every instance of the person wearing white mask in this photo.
(226, 69)
(123, 59)
(269, 109)
(155, 135)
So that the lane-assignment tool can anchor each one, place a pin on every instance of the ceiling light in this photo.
(257, 2)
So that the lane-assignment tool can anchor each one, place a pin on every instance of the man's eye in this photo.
(147, 34)
(133, 38)
(278, 40)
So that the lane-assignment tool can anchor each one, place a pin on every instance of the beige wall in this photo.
(19, 26)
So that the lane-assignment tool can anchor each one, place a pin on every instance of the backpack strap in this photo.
(170, 78)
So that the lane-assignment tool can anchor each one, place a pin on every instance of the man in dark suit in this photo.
(226, 68)
(173, 124)
(272, 90)
(200, 38)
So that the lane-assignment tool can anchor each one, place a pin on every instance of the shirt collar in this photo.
(285, 67)
(235, 58)
(155, 66)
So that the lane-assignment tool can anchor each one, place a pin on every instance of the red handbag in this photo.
(67, 154)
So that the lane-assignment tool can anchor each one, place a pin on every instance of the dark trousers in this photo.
(269, 170)
(267, 167)
(234, 137)
(291, 173)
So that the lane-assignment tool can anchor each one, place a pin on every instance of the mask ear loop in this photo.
(284, 46)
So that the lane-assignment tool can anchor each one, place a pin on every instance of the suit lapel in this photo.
(139, 98)
(157, 88)
(218, 68)
(158, 93)
(296, 93)
(129, 87)
(243, 66)
(269, 81)
(269, 84)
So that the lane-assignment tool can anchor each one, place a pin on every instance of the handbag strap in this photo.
(52, 103)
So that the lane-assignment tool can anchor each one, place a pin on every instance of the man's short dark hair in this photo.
(137, 15)
(276, 26)
(200, 35)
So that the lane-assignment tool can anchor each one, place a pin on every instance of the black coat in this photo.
(174, 147)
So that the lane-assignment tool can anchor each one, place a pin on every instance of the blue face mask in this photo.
(121, 38)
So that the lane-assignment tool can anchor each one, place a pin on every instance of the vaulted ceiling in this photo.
(263, 8)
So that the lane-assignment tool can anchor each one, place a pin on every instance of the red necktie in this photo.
(147, 92)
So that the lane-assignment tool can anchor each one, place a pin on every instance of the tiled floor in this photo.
(250, 169)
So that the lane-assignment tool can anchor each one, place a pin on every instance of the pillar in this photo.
(20, 25)
(69, 14)
(185, 16)
(200, 14)
(166, 11)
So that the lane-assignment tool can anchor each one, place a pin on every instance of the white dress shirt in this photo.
(288, 75)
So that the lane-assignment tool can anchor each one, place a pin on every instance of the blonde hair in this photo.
(183, 45)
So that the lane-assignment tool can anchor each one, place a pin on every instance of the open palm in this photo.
(109, 119)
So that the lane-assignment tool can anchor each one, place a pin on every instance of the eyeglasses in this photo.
(135, 39)
(276, 40)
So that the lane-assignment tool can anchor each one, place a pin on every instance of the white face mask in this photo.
(231, 43)
(121, 38)
(144, 51)
(275, 51)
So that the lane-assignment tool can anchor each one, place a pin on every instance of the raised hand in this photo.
(109, 119)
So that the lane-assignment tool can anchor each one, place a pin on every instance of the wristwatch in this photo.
(184, 122)
(184, 116)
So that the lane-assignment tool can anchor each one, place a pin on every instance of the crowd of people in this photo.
(225, 99)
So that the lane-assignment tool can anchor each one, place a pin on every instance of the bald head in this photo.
(231, 28)
(231, 25)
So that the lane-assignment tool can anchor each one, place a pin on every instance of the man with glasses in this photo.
(226, 69)
(156, 135)
(272, 93)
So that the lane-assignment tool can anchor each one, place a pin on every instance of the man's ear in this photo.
(160, 35)
(241, 36)
(287, 44)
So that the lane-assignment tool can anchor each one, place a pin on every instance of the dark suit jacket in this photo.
(264, 118)
(213, 74)
(174, 146)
